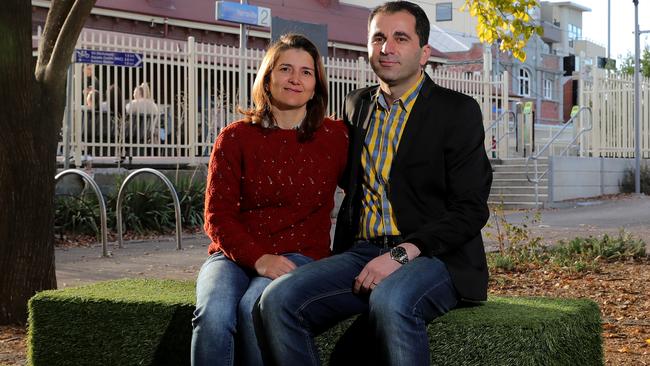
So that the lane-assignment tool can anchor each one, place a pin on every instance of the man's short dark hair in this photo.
(421, 20)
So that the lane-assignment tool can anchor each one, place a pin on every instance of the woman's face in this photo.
(293, 80)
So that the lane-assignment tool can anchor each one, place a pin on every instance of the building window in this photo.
(548, 89)
(443, 12)
(575, 32)
(524, 82)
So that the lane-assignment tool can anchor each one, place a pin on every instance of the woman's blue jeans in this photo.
(223, 322)
(307, 301)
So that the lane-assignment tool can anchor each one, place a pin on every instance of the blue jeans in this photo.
(223, 320)
(316, 296)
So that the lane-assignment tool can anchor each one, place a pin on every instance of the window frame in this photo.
(524, 82)
(451, 11)
(548, 89)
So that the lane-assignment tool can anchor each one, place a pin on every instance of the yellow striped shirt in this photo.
(381, 142)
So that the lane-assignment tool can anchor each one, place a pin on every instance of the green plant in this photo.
(628, 185)
(518, 247)
(147, 205)
(191, 194)
(586, 253)
(76, 214)
(517, 244)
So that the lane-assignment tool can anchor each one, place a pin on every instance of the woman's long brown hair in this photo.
(316, 106)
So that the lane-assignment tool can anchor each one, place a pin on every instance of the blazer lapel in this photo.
(360, 122)
(362, 119)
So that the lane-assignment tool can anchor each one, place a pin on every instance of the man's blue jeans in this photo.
(223, 322)
(316, 296)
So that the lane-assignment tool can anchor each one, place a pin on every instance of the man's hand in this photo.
(273, 266)
(374, 272)
(381, 267)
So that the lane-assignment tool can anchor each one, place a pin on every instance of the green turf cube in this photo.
(148, 322)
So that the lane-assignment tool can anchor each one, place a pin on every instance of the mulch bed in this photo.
(620, 289)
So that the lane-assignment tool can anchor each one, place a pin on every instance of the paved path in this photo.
(160, 259)
(154, 259)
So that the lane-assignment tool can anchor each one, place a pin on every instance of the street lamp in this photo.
(637, 103)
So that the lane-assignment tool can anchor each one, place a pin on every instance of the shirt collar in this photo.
(404, 100)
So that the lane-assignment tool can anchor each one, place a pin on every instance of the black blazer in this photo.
(439, 182)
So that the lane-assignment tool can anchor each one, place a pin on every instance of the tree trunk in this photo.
(30, 119)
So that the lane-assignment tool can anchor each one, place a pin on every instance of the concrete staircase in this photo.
(510, 186)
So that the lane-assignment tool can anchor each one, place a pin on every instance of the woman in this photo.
(269, 195)
(142, 102)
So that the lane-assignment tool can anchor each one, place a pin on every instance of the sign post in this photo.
(243, 14)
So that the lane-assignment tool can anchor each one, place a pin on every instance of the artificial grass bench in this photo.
(148, 322)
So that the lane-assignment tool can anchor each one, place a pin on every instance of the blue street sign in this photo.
(96, 57)
(242, 13)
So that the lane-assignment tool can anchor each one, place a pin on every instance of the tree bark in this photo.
(32, 103)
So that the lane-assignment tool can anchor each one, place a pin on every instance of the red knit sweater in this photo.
(269, 194)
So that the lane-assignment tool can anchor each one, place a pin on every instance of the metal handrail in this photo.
(177, 206)
(500, 119)
(100, 198)
(536, 156)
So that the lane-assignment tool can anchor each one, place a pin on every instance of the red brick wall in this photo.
(568, 99)
(551, 62)
(549, 111)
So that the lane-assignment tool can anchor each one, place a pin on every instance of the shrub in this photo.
(628, 185)
(517, 244)
(146, 206)
(76, 214)
(586, 253)
(519, 248)
(191, 194)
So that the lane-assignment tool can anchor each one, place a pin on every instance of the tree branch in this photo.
(67, 40)
(59, 9)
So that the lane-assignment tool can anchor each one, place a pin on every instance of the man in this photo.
(409, 229)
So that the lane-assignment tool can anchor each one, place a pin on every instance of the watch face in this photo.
(399, 254)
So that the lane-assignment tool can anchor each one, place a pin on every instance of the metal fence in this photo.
(611, 97)
(192, 92)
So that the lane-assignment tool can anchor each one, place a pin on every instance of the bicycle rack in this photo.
(177, 205)
(100, 198)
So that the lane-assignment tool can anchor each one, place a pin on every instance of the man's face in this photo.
(394, 49)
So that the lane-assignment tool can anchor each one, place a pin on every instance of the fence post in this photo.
(76, 140)
(191, 100)
(361, 73)
(595, 112)
(487, 85)
(504, 148)
(579, 124)
(645, 117)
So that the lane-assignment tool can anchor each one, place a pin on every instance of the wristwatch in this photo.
(399, 255)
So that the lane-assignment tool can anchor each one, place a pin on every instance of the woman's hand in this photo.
(273, 266)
